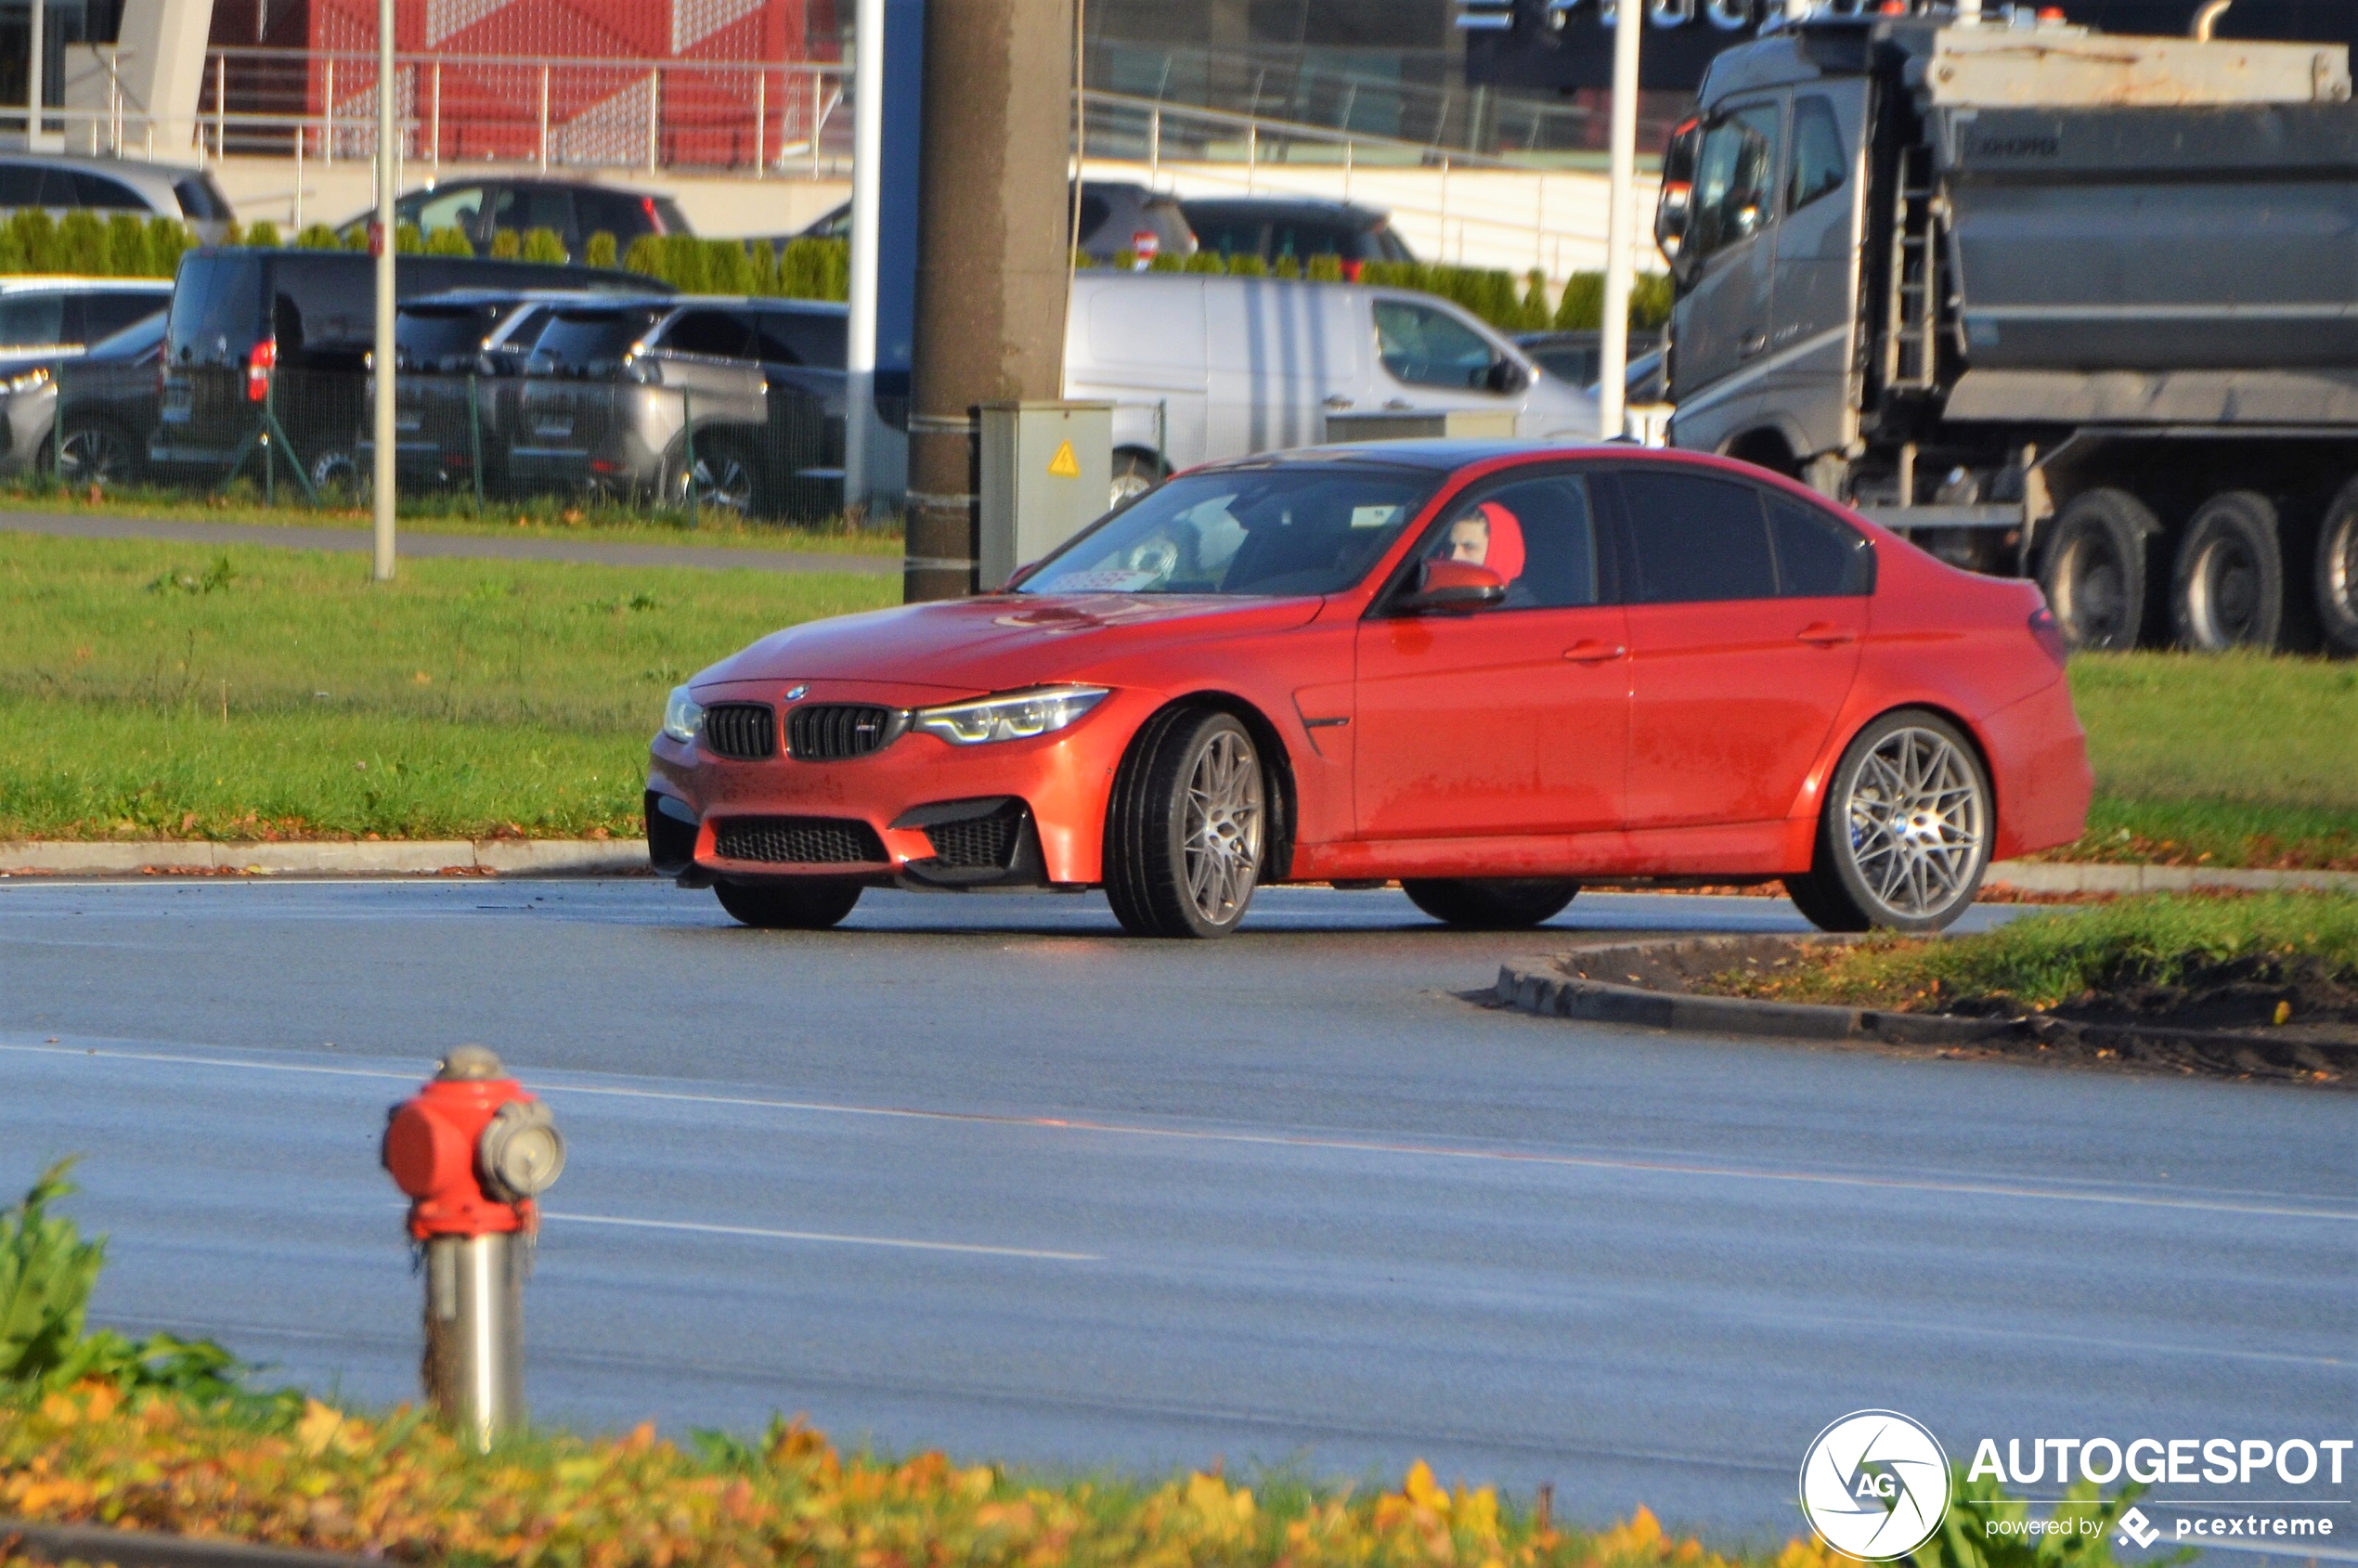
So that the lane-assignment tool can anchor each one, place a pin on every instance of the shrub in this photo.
(598, 250)
(1205, 260)
(1325, 269)
(1125, 260)
(36, 239)
(448, 240)
(1166, 261)
(506, 244)
(1582, 306)
(127, 247)
(803, 269)
(728, 270)
(1535, 313)
(765, 269)
(1288, 265)
(645, 256)
(166, 239)
(1247, 264)
(356, 236)
(835, 269)
(82, 243)
(1651, 297)
(263, 232)
(408, 239)
(319, 237)
(543, 246)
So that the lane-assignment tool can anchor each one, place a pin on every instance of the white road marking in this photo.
(1325, 1144)
(767, 1235)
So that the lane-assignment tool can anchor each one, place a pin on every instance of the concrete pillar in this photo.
(991, 255)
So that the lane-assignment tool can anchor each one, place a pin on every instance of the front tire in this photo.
(805, 904)
(1904, 837)
(1187, 831)
(97, 453)
(1495, 904)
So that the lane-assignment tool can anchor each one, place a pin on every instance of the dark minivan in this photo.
(255, 329)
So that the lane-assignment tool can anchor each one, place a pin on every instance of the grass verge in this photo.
(149, 689)
(2234, 760)
(536, 517)
(2042, 961)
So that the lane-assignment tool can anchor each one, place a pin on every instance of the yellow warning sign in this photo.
(1064, 465)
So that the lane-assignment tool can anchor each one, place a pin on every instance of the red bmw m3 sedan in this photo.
(1491, 672)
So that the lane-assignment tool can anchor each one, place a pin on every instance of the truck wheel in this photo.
(1186, 831)
(2337, 571)
(806, 903)
(1499, 905)
(2229, 588)
(1904, 837)
(2096, 573)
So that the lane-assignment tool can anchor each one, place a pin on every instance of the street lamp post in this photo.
(382, 491)
(1612, 353)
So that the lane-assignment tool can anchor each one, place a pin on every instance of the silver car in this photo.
(61, 183)
(44, 321)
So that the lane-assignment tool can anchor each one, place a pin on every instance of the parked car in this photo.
(1200, 367)
(1491, 670)
(289, 330)
(63, 183)
(1116, 215)
(44, 322)
(1298, 226)
(460, 360)
(710, 401)
(574, 210)
(105, 407)
(1573, 355)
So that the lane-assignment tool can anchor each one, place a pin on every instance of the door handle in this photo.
(1338, 401)
(1825, 634)
(1398, 405)
(1590, 651)
(1753, 343)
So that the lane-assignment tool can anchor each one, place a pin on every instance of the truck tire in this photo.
(2095, 570)
(2228, 590)
(2338, 572)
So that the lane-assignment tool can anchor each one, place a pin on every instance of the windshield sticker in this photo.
(1107, 579)
(1373, 516)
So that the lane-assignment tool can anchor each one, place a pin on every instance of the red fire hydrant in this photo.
(472, 1150)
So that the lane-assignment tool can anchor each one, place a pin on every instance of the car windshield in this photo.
(1269, 531)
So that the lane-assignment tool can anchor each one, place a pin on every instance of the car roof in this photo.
(163, 176)
(72, 283)
(516, 296)
(761, 302)
(1448, 455)
(465, 181)
(1243, 206)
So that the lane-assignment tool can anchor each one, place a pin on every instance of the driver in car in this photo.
(1489, 536)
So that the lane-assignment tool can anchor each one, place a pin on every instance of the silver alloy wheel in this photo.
(1222, 828)
(2337, 570)
(721, 481)
(2223, 593)
(1918, 823)
(89, 455)
(2091, 591)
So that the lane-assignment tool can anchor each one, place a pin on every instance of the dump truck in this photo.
(2048, 302)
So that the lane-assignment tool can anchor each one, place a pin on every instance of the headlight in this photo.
(36, 376)
(682, 715)
(1017, 717)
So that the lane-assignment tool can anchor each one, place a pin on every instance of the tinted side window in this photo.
(20, 185)
(108, 313)
(200, 198)
(1819, 163)
(98, 190)
(1093, 213)
(1696, 537)
(709, 331)
(1817, 557)
(27, 320)
(525, 208)
(625, 217)
(794, 337)
(1540, 535)
(1732, 172)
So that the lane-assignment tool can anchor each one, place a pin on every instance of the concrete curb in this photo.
(2088, 877)
(1538, 985)
(426, 856)
(141, 1548)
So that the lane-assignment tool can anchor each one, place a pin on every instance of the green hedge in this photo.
(122, 246)
(1498, 296)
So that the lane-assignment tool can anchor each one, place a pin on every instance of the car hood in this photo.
(1001, 641)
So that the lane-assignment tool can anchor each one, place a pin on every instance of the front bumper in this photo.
(1011, 813)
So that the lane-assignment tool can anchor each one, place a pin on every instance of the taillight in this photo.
(2047, 635)
(260, 360)
(647, 205)
(1146, 244)
(1351, 269)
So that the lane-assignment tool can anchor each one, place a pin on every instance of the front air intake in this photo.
(798, 841)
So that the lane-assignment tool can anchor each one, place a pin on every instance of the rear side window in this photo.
(1241, 238)
(1696, 538)
(439, 337)
(1093, 213)
(527, 207)
(589, 341)
(30, 320)
(667, 215)
(714, 332)
(98, 190)
(105, 314)
(200, 198)
(20, 185)
(612, 212)
(1817, 557)
(794, 337)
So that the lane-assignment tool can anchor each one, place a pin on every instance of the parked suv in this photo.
(245, 321)
(44, 322)
(105, 407)
(461, 357)
(1274, 228)
(712, 401)
(116, 184)
(574, 210)
(1115, 216)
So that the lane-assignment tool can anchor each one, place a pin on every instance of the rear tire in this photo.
(721, 477)
(2337, 578)
(2095, 570)
(805, 904)
(1134, 474)
(99, 453)
(1904, 837)
(1187, 831)
(2228, 590)
(1492, 904)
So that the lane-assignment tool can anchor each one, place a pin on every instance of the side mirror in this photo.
(1670, 218)
(1018, 575)
(1504, 375)
(1452, 585)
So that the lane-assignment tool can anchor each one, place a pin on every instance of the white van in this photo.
(1199, 365)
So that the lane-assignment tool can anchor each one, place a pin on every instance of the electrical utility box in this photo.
(1045, 472)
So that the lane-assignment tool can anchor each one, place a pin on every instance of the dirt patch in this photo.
(2219, 1020)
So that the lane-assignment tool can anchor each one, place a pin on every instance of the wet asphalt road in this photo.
(980, 1173)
